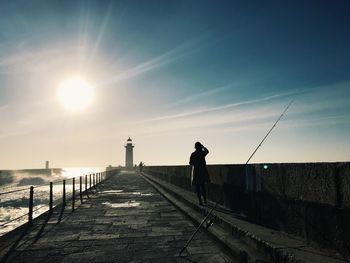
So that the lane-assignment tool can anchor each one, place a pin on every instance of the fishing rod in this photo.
(250, 157)
(268, 133)
(195, 232)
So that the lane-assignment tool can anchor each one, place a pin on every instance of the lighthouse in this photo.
(129, 160)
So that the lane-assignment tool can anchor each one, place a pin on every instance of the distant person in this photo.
(141, 167)
(200, 172)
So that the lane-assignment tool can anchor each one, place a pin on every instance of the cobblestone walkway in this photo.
(126, 221)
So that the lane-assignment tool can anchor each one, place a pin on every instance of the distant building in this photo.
(47, 165)
(129, 159)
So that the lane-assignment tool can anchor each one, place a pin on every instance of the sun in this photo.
(75, 94)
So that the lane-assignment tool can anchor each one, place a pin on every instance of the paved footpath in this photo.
(126, 221)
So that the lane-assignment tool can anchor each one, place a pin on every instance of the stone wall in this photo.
(311, 200)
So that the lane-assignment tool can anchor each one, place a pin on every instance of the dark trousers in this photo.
(200, 189)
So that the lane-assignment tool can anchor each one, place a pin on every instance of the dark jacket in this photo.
(200, 172)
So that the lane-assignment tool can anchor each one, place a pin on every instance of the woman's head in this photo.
(198, 146)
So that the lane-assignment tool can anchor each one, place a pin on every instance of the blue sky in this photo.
(169, 73)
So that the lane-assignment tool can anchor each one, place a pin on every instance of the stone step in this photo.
(261, 243)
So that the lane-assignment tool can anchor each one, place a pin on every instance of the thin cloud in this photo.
(157, 62)
(31, 61)
(4, 135)
(212, 123)
(16, 59)
(219, 108)
(320, 121)
(4, 107)
(202, 95)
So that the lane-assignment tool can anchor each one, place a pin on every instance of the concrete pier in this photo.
(124, 220)
(148, 217)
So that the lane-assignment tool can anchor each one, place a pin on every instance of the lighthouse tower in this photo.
(129, 160)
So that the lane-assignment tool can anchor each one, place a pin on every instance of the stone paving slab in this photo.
(127, 220)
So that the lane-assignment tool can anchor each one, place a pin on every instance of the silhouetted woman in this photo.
(200, 172)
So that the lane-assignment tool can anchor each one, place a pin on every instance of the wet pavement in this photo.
(127, 220)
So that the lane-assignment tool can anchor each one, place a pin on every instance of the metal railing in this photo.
(78, 188)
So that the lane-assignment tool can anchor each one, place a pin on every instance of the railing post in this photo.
(64, 193)
(90, 180)
(81, 189)
(85, 183)
(73, 197)
(94, 179)
(51, 197)
(30, 213)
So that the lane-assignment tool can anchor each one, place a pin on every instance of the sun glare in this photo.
(75, 94)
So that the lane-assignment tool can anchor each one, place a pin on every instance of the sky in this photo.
(170, 73)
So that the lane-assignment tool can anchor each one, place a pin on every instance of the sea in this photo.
(14, 196)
